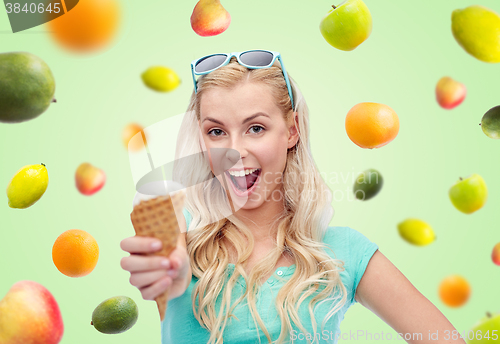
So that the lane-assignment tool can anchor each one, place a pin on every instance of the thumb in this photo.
(176, 257)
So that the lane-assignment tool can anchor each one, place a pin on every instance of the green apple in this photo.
(347, 25)
(469, 194)
(486, 330)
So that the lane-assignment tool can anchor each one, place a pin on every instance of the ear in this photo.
(293, 132)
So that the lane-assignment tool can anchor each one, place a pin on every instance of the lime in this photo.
(490, 123)
(27, 186)
(416, 232)
(115, 315)
(368, 184)
(161, 79)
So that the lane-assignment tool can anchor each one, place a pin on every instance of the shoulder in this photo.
(354, 249)
(343, 235)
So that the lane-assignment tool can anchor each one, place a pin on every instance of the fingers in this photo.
(176, 258)
(152, 291)
(144, 279)
(137, 244)
(135, 263)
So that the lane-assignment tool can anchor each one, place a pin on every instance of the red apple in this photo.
(210, 18)
(30, 314)
(495, 254)
(89, 179)
(449, 93)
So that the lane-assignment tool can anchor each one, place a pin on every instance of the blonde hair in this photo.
(300, 228)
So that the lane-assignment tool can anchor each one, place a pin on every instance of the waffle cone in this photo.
(156, 218)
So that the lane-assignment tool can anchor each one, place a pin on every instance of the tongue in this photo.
(247, 181)
(251, 178)
(242, 184)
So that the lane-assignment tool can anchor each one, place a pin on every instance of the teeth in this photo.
(242, 173)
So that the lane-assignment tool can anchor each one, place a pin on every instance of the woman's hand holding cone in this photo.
(153, 275)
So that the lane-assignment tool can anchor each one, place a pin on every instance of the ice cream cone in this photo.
(156, 218)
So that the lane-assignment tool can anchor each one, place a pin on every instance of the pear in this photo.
(210, 18)
(476, 28)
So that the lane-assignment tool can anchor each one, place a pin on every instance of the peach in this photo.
(450, 93)
(495, 254)
(89, 179)
(454, 290)
(210, 18)
(30, 314)
(128, 133)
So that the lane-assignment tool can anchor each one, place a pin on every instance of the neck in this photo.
(261, 220)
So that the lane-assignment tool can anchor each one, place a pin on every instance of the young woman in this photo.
(257, 260)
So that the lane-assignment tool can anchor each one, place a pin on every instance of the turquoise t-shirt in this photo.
(180, 325)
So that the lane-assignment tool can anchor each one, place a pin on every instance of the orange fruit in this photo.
(129, 132)
(454, 290)
(371, 125)
(89, 26)
(75, 253)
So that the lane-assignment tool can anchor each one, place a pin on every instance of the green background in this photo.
(411, 47)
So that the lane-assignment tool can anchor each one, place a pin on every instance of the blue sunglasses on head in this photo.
(252, 59)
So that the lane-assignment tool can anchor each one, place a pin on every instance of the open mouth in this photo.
(246, 182)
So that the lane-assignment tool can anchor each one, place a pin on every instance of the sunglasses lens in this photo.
(257, 58)
(209, 63)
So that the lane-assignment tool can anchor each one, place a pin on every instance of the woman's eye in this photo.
(257, 127)
(218, 131)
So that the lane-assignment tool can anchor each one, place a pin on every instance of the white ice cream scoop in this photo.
(157, 188)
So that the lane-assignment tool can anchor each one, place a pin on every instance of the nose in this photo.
(238, 144)
(235, 153)
(233, 156)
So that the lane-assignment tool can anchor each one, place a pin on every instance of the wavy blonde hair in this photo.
(300, 227)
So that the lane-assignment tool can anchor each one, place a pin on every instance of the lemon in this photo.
(27, 186)
(477, 29)
(161, 79)
(115, 315)
(416, 232)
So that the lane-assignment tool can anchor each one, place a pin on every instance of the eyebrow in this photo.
(244, 121)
